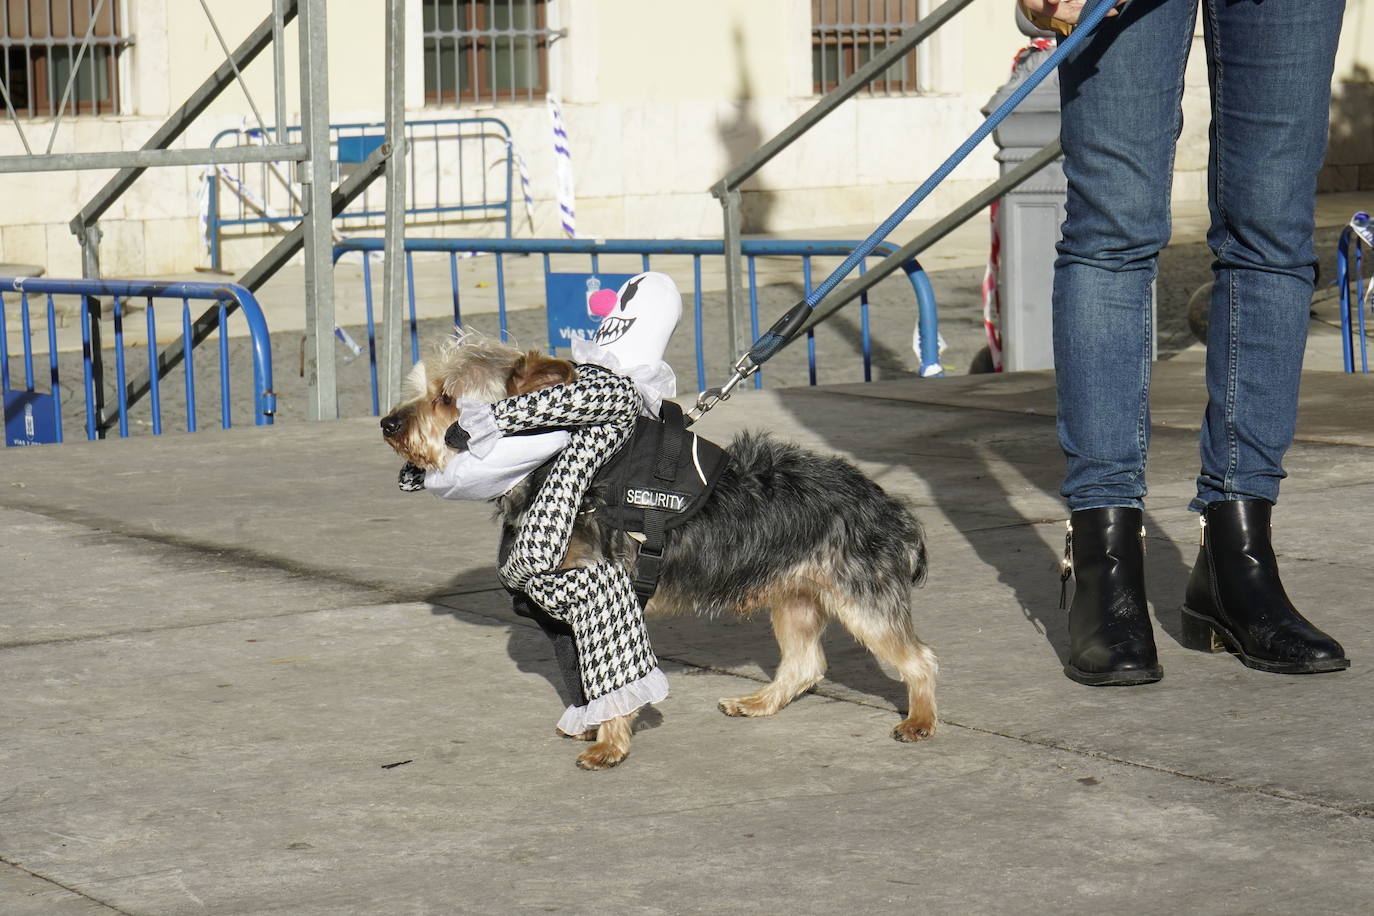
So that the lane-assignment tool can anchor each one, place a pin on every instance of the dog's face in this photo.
(466, 366)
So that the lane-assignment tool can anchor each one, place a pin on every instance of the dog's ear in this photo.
(534, 370)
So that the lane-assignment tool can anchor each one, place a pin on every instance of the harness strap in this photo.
(649, 566)
(669, 446)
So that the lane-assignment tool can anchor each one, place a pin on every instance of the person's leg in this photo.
(1270, 69)
(1270, 65)
(1121, 115)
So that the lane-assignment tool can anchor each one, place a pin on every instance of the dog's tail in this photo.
(917, 555)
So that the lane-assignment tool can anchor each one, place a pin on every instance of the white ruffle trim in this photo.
(477, 420)
(622, 701)
(655, 381)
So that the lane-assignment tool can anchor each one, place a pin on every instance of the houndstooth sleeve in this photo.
(597, 397)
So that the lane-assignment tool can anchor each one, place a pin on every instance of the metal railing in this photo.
(458, 251)
(449, 167)
(1355, 297)
(35, 416)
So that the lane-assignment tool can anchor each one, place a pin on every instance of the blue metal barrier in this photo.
(34, 416)
(1354, 296)
(457, 249)
(440, 159)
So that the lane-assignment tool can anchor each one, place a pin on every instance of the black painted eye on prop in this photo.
(612, 329)
(630, 289)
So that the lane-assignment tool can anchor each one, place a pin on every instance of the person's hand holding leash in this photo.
(1058, 15)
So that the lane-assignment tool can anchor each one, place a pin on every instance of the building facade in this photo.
(658, 100)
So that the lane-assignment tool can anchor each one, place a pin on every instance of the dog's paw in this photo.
(909, 730)
(752, 706)
(601, 756)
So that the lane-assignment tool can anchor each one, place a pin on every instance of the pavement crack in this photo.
(58, 884)
(1355, 811)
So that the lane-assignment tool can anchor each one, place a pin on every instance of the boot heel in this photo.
(1197, 634)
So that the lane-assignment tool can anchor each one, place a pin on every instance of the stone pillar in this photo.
(1028, 217)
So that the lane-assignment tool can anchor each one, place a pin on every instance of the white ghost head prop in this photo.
(636, 322)
(636, 325)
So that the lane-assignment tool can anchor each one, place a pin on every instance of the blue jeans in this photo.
(1269, 67)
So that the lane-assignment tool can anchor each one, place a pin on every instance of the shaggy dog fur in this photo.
(807, 538)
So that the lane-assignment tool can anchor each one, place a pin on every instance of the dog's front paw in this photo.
(910, 730)
(602, 756)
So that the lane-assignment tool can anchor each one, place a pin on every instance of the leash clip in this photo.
(709, 398)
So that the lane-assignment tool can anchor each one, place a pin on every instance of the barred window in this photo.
(40, 43)
(846, 34)
(485, 50)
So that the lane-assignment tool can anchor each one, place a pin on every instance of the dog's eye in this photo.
(444, 399)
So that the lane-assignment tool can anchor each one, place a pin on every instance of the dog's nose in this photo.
(391, 425)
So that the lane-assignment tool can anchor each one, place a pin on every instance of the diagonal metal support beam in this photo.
(371, 169)
(851, 289)
(177, 123)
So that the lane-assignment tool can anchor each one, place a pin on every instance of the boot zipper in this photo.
(1066, 567)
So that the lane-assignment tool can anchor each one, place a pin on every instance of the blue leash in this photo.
(786, 328)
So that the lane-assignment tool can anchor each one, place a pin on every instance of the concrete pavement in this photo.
(244, 674)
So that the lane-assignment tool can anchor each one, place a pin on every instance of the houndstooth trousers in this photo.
(597, 601)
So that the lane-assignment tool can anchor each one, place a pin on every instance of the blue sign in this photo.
(30, 418)
(353, 150)
(568, 301)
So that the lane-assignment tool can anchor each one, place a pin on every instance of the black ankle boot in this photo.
(1111, 642)
(1235, 600)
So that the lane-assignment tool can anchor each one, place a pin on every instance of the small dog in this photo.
(808, 538)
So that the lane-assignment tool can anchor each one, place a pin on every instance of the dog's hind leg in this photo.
(612, 744)
(798, 622)
(893, 639)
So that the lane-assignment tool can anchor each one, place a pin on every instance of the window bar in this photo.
(457, 55)
(74, 59)
(28, 56)
(530, 49)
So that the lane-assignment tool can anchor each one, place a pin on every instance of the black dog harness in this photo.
(658, 480)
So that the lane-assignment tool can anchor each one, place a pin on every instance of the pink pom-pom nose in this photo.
(602, 302)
